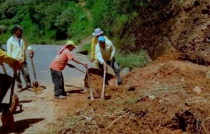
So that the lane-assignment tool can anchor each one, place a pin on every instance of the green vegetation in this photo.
(44, 22)
(133, 60)
(53, 22)
(130, 60)
(49, 22)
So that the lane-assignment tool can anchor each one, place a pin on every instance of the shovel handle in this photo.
(103, 87)
(13, 82)
(12, 86)
(32, 63)
(72, 66)
(4, 69)
(89, 84)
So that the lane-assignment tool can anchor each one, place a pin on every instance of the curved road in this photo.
(39, 110)
(44, 54)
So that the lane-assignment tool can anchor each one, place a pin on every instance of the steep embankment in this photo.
(182, 24)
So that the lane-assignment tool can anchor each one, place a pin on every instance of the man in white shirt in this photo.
(105, 51)
(16, 48)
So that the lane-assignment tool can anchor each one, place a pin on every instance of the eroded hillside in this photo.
(182, 24)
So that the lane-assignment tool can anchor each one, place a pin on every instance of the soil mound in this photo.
(169, 96)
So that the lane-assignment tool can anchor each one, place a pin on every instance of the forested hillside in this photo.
(150, 25)
(44, 22)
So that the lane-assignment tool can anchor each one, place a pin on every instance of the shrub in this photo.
(132, 60)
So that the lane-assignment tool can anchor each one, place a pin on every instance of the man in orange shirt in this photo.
(58, 64)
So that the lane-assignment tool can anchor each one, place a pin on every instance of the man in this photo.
(58, 64)
(105, 51)
(6, 80)
(97, 32)
(16, 48)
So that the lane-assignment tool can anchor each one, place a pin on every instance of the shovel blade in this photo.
(15, 103)
(37, 88)
(35, 84)
(7, 119)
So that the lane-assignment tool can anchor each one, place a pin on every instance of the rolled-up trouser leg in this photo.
(5, 83)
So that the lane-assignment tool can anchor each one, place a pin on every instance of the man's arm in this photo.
(9, 47)
(78, 62)
(113, 51)
(7, 59)
(29, 48)
(98, 54)
(93, 44)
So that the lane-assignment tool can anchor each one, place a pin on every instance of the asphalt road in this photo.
(44, 54)
(40, 110)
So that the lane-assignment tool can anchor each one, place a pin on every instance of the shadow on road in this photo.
(25, 101)
(72, 86)
(79, 91)
(21, 125)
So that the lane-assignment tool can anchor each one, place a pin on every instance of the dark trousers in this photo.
(57, 78)
(113, 64)
(25, 73)
(5, 83)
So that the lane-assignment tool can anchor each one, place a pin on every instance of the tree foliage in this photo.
(48, 19)
(126, 22)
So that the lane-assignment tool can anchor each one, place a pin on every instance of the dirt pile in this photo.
(96, 81)
(169, 96)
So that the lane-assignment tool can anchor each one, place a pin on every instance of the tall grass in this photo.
(132, 60)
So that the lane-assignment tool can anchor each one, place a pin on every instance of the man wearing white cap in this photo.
(105, 52)
(97, 32)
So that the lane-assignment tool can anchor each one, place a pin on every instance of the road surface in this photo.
(39, 110)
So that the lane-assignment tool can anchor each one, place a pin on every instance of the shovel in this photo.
(86, 76)
(7, 113)
(89, 84)
(103, 86)
(36, 86)
(72, 66)
(14, 99)
(4, 69)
